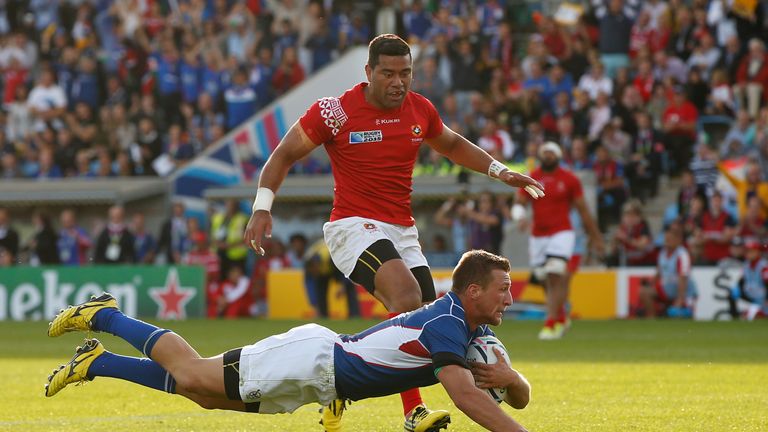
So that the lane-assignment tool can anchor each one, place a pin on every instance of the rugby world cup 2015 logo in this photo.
(361, 137)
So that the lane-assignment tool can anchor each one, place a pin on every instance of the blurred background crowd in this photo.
(634, 91)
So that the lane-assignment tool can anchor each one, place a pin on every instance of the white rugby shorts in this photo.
(347, 239)
(560, 245)
(286, 371)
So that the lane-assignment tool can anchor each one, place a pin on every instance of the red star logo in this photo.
(172, 298)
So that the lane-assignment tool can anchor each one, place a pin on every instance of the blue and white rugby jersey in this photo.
(403, 352)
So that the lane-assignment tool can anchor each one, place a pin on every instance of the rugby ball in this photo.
(481, 351)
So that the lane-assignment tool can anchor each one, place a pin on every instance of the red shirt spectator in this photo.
(716, 230)
(289, 73)
(203, 256)
(753, 68)
(633, 237)
(680, 116)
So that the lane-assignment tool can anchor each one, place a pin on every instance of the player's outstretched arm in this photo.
(500, 374)
(473, 402)
(590, 226)
(461, 151)
(294, 146)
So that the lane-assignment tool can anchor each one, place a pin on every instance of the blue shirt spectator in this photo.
(240, 100)
(167, 71)
(191, 73)
(417, 21)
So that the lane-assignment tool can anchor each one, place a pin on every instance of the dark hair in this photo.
(386, 44)
(475, 267)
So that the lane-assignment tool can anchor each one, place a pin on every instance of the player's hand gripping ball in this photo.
(481, 351)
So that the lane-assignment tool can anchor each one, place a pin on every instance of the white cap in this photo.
(550, 146)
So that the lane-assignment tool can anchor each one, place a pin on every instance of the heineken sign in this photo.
(162, 292)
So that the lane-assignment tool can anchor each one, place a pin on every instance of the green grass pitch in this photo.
(604, 376)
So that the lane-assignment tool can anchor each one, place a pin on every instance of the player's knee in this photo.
(555, 266)
(405, 301)
(187, 381)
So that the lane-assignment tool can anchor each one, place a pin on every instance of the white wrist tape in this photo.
(496, 168)
(518, 212)
(263, 201)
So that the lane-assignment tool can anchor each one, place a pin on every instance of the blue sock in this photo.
(141, 371)
(141, 335)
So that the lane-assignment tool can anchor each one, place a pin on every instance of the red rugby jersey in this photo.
(372, 151)
(551, 213)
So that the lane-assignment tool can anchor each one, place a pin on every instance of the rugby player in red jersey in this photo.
(551, 244)
(372, 134)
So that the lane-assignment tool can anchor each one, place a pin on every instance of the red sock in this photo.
(392, 314)
(411, 399)
(561, 315)
(550, 322)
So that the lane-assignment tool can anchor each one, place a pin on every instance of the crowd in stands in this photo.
(632, 91)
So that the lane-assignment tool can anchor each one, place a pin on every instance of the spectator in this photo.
(190, 76)
(611, 191)
(86, 85)
(289, 73)
(599, 116)
(201, 255)
(705, 55)
(642, 33)
(319, 272)
(669, 68)
(227, 231)
(616, 141)
(115, 243)
(596, 81)
(613, 44)
(752, 185)
(697, 89)
(274, 259)
(74, 242)
(240, 100)
(752, 226)
(322, 42)
(646, 162)
(83, 125)
(716, 231)
(577, 159)
(743, 131)
(674, 290)
(633, 242)
(148, 146)
(558, 82)
(173, 235)
(751, 287)
(485, 223)
(428, 82)
(453, 214)
(145, 245)
(297, 248)
(721, 100)
(683, 40)
(704, 168)
(679, 124)
(752, 78)
(42, 246)
(47, 169)
(688, 191)
(236, 297)
(496, 141)
(730, 60)
(9, 237)
(417, 21)
(47, 101)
